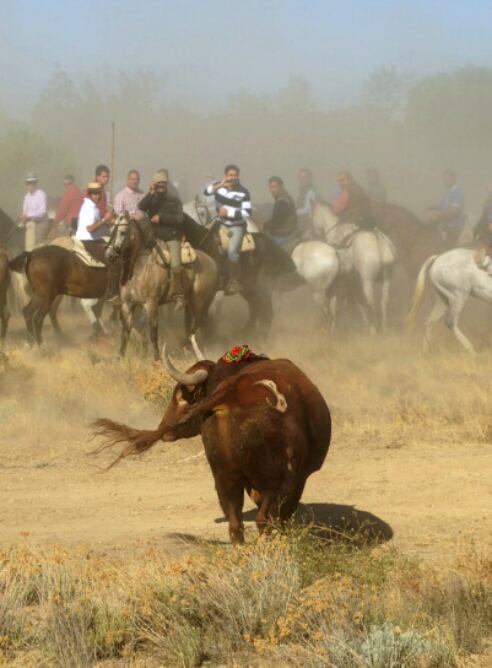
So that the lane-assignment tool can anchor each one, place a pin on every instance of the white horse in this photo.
(319, 264)
(455, 277)
(369, 254)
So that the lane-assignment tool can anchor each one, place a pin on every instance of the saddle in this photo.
(75, 246)
(188, 254)
(248, 244)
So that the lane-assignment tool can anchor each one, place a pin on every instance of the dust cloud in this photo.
(284, 87)
(287, 90)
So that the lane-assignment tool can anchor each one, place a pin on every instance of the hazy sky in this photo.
(210, 49)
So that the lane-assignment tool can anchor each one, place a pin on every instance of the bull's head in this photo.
(192, 400)
(191, 388)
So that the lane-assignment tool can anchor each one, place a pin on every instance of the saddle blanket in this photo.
(77, 247)
(188, 253)
(248, 244)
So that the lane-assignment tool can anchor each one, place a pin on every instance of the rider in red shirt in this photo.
(69, 206)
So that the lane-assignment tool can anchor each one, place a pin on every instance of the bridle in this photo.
(121, 223)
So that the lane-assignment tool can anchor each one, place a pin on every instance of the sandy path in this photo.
(433, 493)
(431, 504)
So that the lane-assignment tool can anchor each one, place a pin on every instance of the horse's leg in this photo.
(368, 292)
(98, 310)
(4, 317)
(41, 309)
(153, 313)
(260, 313)
(385, 290)
(438, 310)
(28, 312)
(456, 306)
(320, 298)
(54, 318)
(88, 306)
(126, 325)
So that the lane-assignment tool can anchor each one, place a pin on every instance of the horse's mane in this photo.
(194, 232)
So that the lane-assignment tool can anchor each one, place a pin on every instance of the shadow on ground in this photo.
(335, 521)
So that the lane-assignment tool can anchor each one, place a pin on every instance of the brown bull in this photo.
(264, 425)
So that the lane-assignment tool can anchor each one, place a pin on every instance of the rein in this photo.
(211, 230)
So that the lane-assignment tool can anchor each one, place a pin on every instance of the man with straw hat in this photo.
(165, 212)
(34, 216)
(92, 228)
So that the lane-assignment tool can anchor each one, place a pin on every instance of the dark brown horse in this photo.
(414, 240)
(262, 271)
(4, 286)
(52, 271)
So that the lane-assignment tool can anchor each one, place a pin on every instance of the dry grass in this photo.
(294, 599)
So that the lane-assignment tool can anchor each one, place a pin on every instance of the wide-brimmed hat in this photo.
(31, 177)
(94, 186)
(160, 177)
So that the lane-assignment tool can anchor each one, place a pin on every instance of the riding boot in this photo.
(234, 285)
(176, 292)
(112, 295)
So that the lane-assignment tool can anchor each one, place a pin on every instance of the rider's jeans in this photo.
(237, 233)
(175, 251)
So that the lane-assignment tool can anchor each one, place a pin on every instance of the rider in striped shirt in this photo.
(233, 205)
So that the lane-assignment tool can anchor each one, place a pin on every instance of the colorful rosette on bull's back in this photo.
(239, 353)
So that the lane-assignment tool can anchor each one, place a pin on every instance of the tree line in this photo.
(409, 129)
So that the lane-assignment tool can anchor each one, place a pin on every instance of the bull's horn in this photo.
(194, 378)
(198, 353)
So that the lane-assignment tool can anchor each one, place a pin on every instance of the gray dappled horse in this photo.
(146, 281)
(455, 276)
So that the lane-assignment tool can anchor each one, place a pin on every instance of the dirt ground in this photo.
(411, 452)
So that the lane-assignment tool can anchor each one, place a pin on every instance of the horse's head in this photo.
(120, 237)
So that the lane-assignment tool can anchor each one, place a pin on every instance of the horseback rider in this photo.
(483, 233)
(233, 206)
(92, 228)
(102, 176)
(130, 197)
(34, 217)
(68, 208)
(283, 222)
(165, 212)
(353, 204)
(449, 213)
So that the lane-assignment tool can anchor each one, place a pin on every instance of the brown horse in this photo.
(4, 286)
(414, 240)
(53, 271)
(146, 281)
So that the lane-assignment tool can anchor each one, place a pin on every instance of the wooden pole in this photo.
(113, 135)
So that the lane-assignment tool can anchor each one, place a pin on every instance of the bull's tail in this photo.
(19, 263)
(136, 440)
(418, 295)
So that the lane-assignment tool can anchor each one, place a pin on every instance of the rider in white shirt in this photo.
(91, 228)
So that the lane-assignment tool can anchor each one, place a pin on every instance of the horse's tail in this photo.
(418, 295)
(137, 440)
(19, 263)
